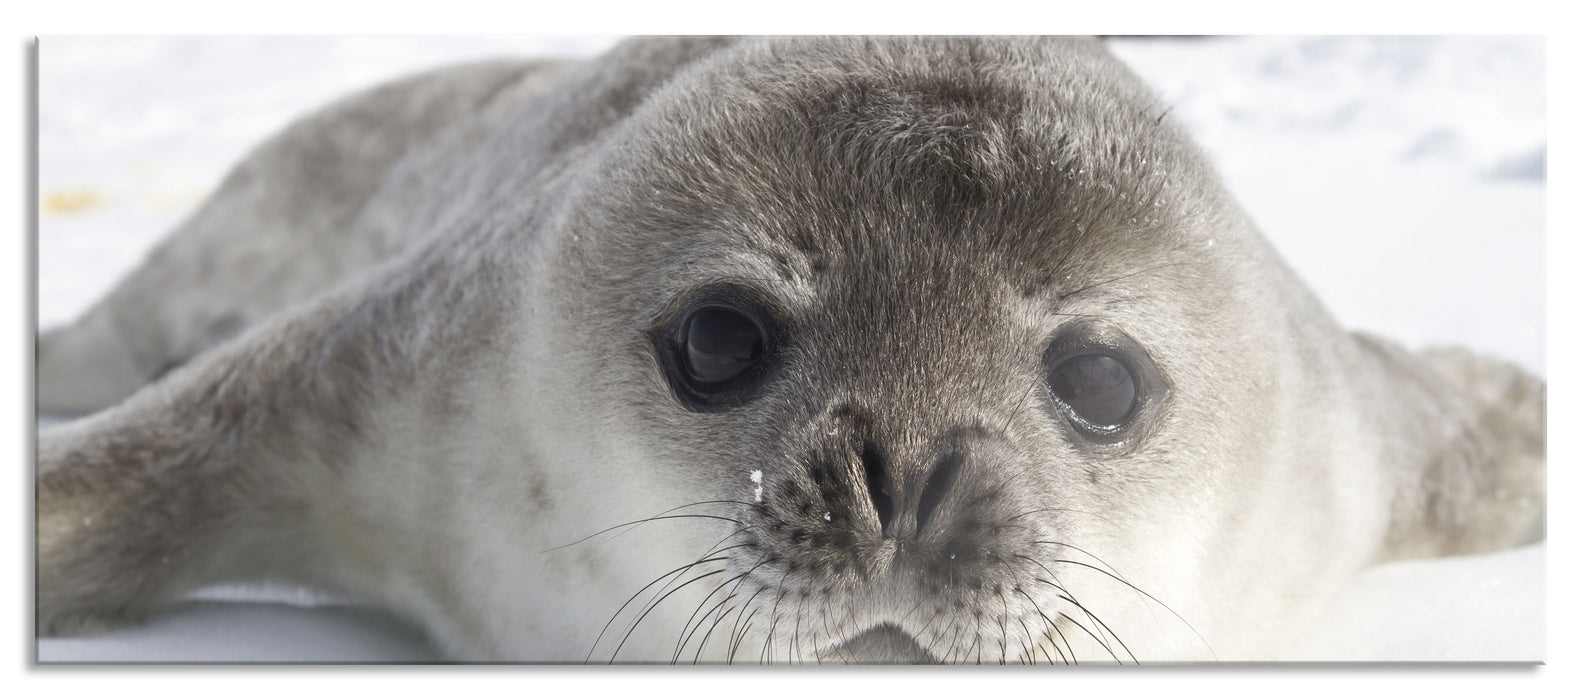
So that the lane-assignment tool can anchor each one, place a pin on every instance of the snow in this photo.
(229, 632)
(1382, 168)
(1402, 177)
(135, 131)
(1506, 588)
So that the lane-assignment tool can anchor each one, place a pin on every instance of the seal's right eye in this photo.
(717, 345)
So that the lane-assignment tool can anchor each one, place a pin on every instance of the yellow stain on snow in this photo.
(79, 201)
(173, 199)
(70, 201)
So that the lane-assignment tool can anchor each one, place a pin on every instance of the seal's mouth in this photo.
(881, 644)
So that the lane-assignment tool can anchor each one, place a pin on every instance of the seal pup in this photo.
(947, 350)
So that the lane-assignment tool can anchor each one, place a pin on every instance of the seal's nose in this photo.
(882, 490)
(876, 496)
(881, 487)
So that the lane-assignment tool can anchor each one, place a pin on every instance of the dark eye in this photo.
(1098, 387)
(718, 345)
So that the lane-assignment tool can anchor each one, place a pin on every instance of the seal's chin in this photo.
(882, 644)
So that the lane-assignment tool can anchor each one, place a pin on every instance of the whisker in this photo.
(1071, 598)
(797, 632)
(655, 605)
(1134, 273)
(718, 618)
(952, 648)
(1028, 654)
(1094, 618)
(1051, 627)
(927, 625)
(712, 612)
(1070, 660)
(1096, 558)
(846, 654)
(639, 592)
(1062, 510)
(732, 657)
(1116, 573)
(635, 523)
(1020, 404)
(1139, 590)
(774, 618)
(737, 639)
(915, 606)
(1095, 637)
(818, 655)
(716, 549)
(1005, 612)
(682, 643)
(721, 617)
(978, 637)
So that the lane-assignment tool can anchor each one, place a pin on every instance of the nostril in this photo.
(938, 485)
(880, 488)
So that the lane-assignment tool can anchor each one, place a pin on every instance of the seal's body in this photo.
(867, 349)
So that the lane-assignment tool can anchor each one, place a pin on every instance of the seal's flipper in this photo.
(232, 467)
(1465, 451)
(191, 481)
(288, 223)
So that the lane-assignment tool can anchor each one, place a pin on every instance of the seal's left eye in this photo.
(1098, 388)
(718, 345)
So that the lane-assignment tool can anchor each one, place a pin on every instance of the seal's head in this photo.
(965, 351)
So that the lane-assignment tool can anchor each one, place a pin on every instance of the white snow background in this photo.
(1403, 178)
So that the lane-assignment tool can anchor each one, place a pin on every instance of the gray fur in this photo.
(417, 360)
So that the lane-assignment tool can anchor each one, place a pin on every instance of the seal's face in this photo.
(905, 335)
